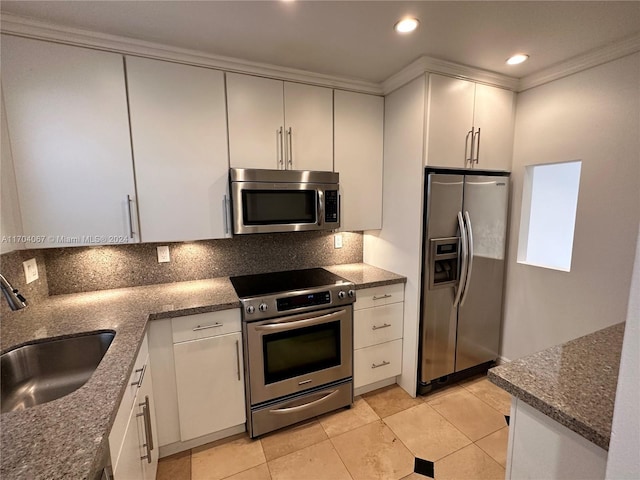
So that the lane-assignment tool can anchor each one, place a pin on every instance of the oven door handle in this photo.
(284, 325)
(282, 411)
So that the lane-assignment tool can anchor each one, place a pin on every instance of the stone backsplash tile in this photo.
(11, 267)
(85, 269)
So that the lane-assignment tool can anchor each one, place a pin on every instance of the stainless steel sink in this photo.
(42, 371)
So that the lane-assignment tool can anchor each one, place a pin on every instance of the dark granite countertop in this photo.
(573, 383)
(66, 438)
(366, 276)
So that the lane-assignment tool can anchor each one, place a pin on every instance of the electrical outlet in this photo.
(30, 270)
(337, 240)
(163, 254)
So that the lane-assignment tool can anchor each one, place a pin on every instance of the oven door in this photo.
(290, 354)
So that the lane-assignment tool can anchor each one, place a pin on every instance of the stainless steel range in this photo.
(298, 341)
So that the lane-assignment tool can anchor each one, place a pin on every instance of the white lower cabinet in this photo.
(134, 452)
(541, 448)
(198, 378)
(378, 322)
(210, 384)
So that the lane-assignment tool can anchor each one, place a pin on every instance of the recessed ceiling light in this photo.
(406, 25)
(517, 59)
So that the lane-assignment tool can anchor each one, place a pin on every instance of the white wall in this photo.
(397, 246)
(593, 116)
(623, 461)
(10, 220)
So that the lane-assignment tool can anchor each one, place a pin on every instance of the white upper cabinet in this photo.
(179, 138)
(494, 117)
(308, 115)
(67, 118)
(450, 118)
(468, 121)
(359, 122)
(256, 126)
(279, 125)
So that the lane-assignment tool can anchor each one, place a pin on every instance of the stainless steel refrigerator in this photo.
(465, 227)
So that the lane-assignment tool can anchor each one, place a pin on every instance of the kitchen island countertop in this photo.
(68, 437)
(573, 383)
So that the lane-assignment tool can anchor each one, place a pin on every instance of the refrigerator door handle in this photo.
(470, 254)
(465, 259)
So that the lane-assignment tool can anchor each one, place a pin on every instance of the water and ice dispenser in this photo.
(443, 262)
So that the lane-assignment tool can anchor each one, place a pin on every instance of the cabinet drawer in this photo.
(205, 325)
(375, 325)
(372, 364)
(376, 296)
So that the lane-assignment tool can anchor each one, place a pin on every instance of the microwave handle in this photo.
(320, 207)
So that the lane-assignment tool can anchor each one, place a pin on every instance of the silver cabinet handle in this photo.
(142, 370)
(470, 267)
(238, 357)
(465, 258)
(129, 201)
(280, 149)
(147, 428)
(375, 297)
(384, 325)
(477, 158)
(290, 148)
(215, 325)
(466, 148)
(384, 363)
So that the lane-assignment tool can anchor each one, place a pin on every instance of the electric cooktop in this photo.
(277, 282)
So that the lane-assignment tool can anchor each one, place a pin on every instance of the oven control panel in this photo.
(304, 300)
(260, 308)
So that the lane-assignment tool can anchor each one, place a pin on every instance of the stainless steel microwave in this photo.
(267, 201)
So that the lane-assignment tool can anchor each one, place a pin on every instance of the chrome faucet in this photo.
(15, 300)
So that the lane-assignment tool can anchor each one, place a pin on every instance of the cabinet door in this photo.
(179, 137)
(256, 121)
(128, 465)
(449, 119)
(209, 376)
(494, 115)
(147, 432)
(359, 122)
(67, 115)
(309, 115)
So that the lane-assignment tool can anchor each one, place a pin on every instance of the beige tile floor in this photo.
(461, 429)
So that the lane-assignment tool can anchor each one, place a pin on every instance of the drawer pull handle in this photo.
(384, 325)
(384, 363)
(382, 296)
(215, 325)
(138, 382)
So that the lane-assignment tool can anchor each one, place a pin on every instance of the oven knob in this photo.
(251, 309)
(342, 294)
(263, 307)
(352, 293)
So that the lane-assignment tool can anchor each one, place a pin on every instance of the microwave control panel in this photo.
(331, 206)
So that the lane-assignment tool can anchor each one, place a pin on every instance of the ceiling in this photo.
(355, 39)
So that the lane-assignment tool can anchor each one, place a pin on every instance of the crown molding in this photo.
(31, 28)
(582, 62)
(434, 65)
